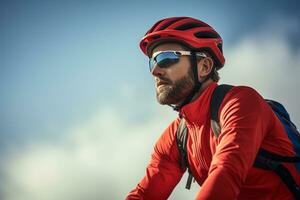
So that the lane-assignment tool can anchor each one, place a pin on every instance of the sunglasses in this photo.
(165, 59)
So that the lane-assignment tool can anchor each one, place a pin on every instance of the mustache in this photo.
(162, 80)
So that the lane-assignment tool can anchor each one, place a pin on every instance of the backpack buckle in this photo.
(266, 163)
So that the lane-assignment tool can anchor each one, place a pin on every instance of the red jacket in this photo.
(223, 165)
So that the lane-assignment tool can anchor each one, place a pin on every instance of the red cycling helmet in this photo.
(186, 30)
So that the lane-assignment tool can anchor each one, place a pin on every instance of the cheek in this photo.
(178, 70)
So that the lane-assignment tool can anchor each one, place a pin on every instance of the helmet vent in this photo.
(187, 26)
(206, 35)
(155, 37)
(145, 44)
(170, 23)
(154, 26)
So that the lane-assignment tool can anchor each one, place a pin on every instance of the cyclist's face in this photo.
(175, 82)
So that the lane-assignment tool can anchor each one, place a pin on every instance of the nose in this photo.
(157, 71)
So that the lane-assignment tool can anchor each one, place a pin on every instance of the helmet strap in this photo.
(198, 84)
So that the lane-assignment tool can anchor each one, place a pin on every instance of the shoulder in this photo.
(241, 92)
(243, 96)
(243, 101)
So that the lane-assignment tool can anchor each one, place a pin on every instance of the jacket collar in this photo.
(198, 110)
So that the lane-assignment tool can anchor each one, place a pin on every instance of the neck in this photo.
(203, 87)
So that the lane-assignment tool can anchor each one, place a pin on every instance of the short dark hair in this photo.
(214, 75)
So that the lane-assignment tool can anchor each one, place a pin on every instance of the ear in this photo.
(205, 66)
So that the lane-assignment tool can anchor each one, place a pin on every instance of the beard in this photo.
(173, 93)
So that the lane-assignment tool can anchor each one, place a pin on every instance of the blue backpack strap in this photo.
(181, 139)
(269, 161)
(215, 102)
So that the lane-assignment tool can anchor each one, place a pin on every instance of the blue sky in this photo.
(62, 58)
(64, 62)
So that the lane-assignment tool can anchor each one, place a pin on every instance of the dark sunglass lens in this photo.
(165, 59)
(151, 64)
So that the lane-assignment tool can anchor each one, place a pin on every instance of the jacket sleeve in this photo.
(244, 120)
(163, 172)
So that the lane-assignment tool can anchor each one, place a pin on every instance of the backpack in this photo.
(264, 159)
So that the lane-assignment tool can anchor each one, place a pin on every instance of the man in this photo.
(185, 54)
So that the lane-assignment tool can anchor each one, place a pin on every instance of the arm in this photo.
(163, 172)
(244, 117)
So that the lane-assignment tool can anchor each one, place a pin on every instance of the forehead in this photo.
(168, 46)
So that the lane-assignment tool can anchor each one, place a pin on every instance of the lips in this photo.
(160, 82)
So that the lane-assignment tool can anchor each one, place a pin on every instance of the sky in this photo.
(79, 116)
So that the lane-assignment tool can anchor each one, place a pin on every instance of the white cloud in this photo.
(267, 62)
(105, 157)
